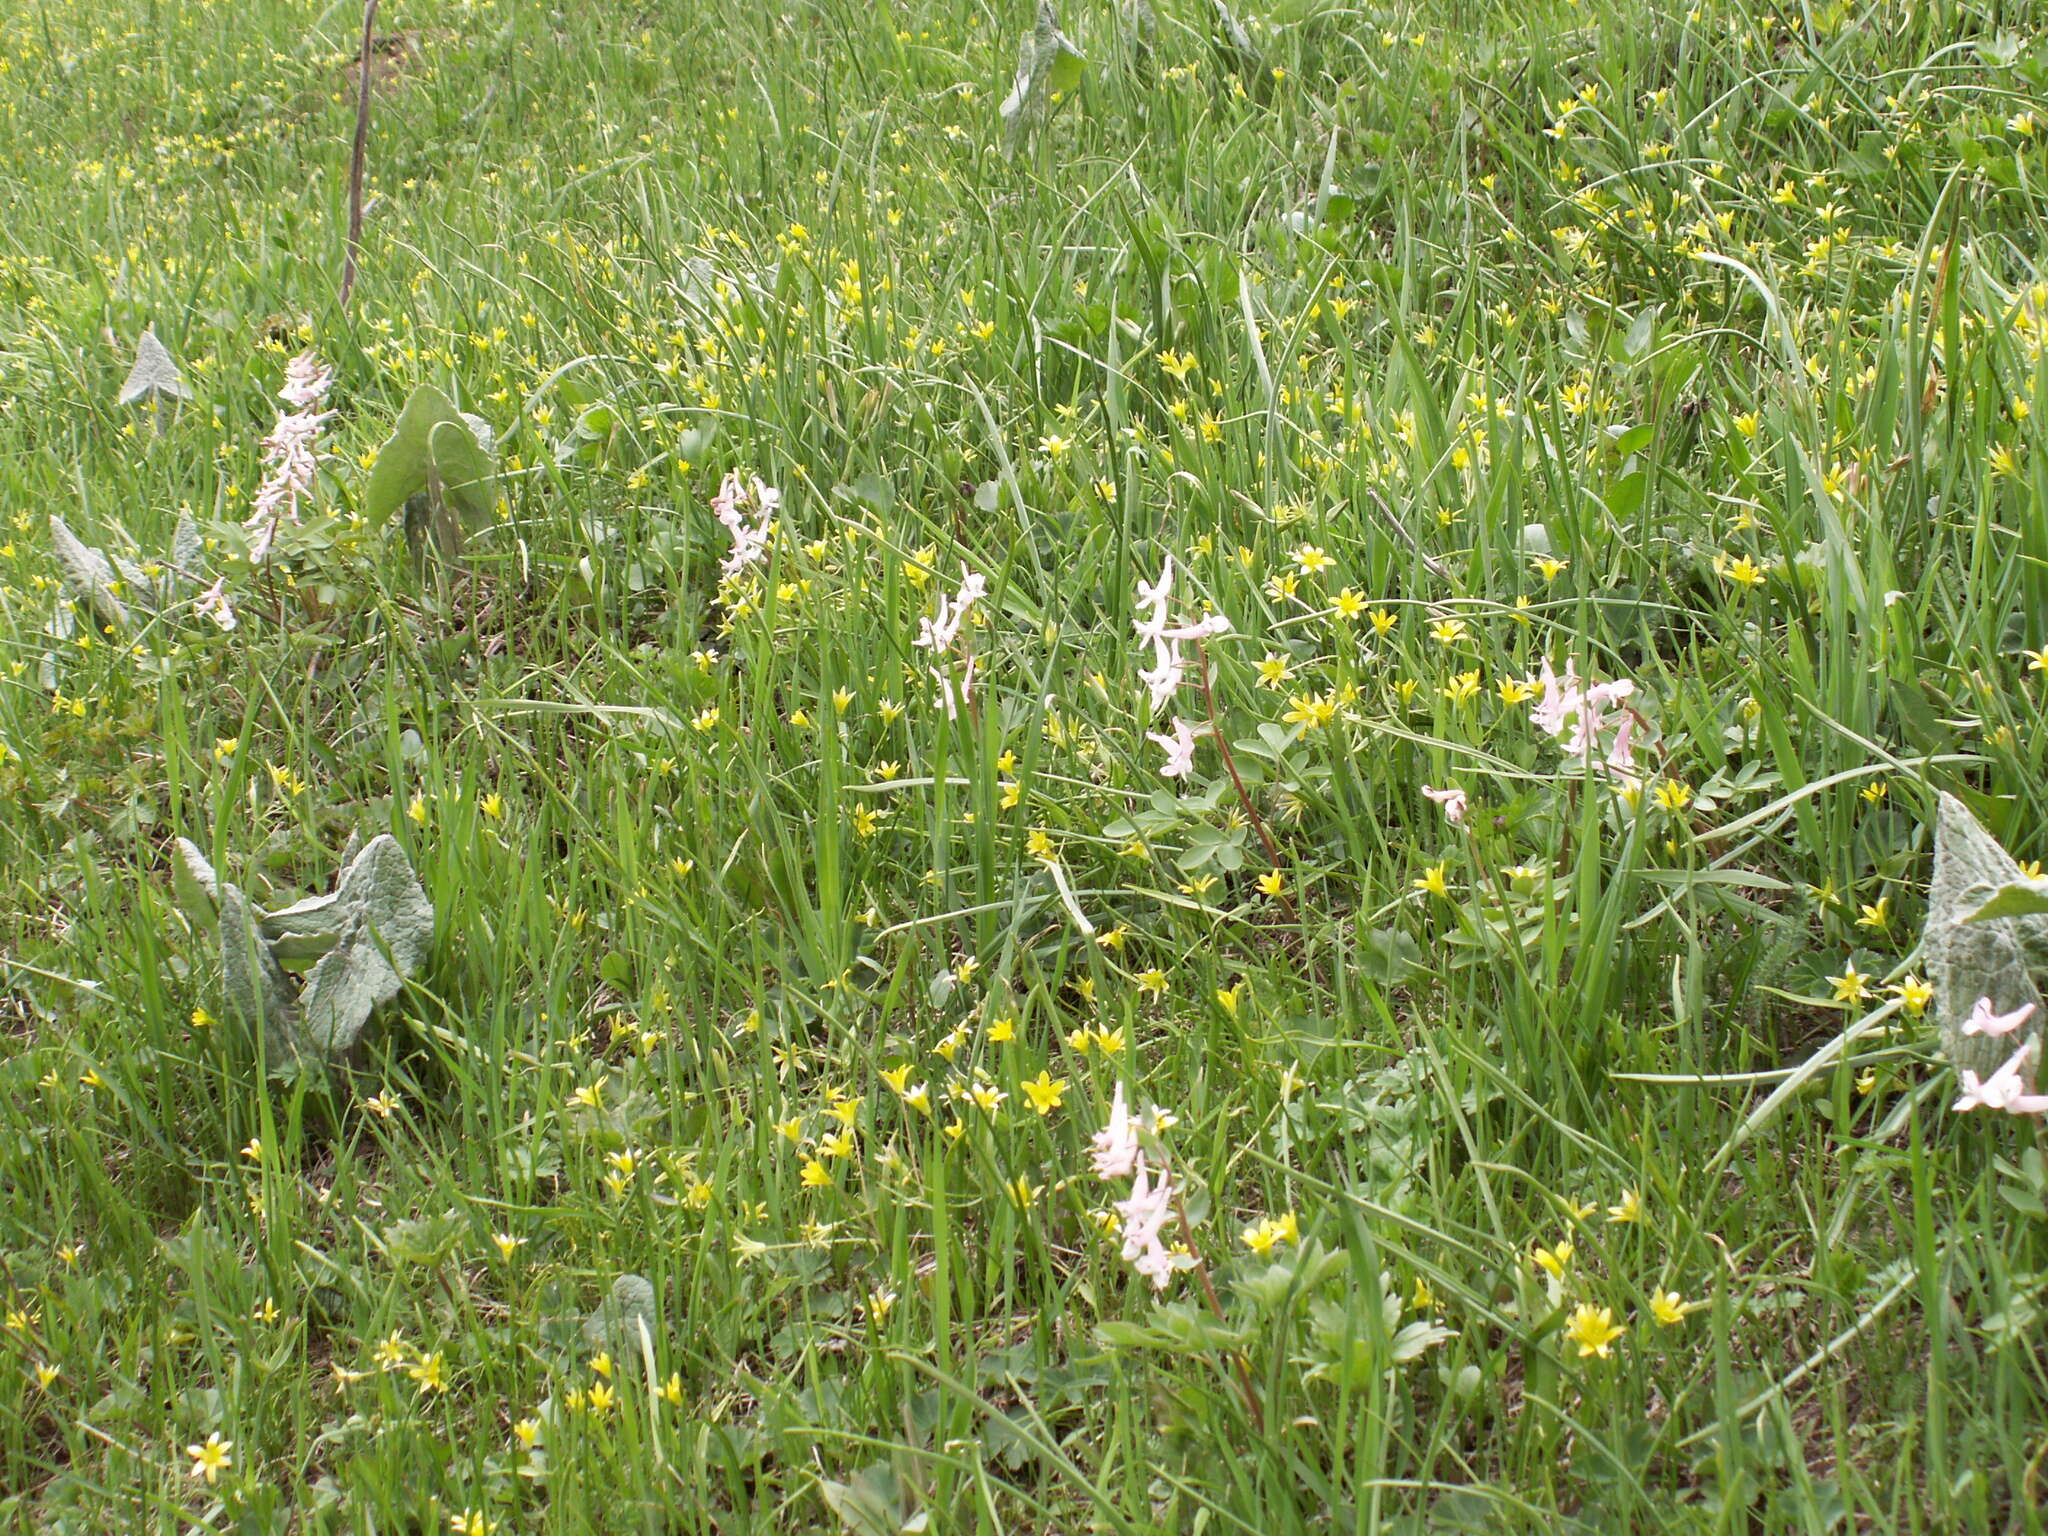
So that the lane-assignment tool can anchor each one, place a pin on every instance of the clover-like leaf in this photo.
(432, 447)
(383, 928)
(154, 374)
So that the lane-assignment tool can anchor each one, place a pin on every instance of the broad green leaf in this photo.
(433, 446)
(870, 1505)
(153, 375)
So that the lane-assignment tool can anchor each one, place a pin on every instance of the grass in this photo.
(1697, 346)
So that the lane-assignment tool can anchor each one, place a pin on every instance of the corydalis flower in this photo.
(1983, 1020)
(1145, 1215)
(1179, 749)
(289, 460)
(306, 381)
(749, 539)
(1116, 1144)
(1577, 716)
(940, 634)
(1163, 679)
(1452, 799)
(213, 603)
(2005, 1089)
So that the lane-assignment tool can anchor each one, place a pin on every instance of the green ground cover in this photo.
(1543, 1118)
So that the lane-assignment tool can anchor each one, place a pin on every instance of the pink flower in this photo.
(2004, 1089)
(306, 380)
(1168, 668)
(213, 602)
(1179, 747)
(1983, 1021)
(1116, 1144)
(1452, 799)
(749, 539)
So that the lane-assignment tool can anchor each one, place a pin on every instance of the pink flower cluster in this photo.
(1168, 668)
(1151, 1205)
(2005, 1089)
(749, 539)
(940, 634)
(289, 460)
(1579, 717)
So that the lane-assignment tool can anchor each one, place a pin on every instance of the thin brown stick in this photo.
(362, 148)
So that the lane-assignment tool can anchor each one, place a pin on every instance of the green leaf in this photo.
(431, 446)
(2017, 898)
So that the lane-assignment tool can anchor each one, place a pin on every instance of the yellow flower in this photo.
(1432, 880)
(988, 1098)
(1152, 981)
(492, 805)
(212, 1458)
(1044, 1092)
(1272, 883)
(1852, 986)
(1552, 1261)
(815, 1174)
(1668, 1307)
(601, 1398)
(1311, 559)
(1110, 1041)
(1002, 1031)
(1914, 993)
(1263, 1235)
(1227, 997)
(1021, 1192)
(1630, 1209)
(1594, 1330)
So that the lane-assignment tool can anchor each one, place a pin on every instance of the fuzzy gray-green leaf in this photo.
(258, 992)
(1047, 64)
(383, 928)
(88, 575)
(154, 373)
(1971, 954)
(616, 1324)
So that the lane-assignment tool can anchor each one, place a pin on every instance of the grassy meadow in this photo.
(1270, 882)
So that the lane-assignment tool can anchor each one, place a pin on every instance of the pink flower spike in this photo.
(1452, 799)
(1984, 1021)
